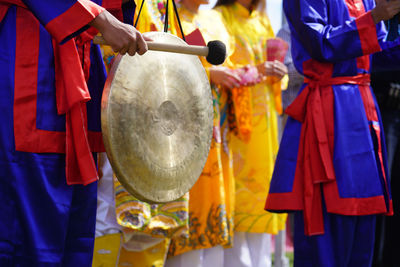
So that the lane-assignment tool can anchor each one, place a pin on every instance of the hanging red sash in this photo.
(71, 96)
(315, 153)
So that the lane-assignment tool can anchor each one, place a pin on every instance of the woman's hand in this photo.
(224, 77)
(122, 38)
(272, 68)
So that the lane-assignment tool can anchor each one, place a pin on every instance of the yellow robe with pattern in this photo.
(211, 199)
(254, 159)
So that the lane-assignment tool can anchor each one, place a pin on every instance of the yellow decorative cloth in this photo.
(241, 122)
(160, 220)
(106, 250)
(109, 251)
(150, 257)
(211, 198)
(253, 159)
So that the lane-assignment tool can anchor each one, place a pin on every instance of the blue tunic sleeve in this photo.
(328, 32)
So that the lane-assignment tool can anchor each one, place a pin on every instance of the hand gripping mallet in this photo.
(215, 51)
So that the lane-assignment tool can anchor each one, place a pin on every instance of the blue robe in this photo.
(43, 220)
(332, 157)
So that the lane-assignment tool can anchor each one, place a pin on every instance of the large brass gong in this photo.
(157, 121)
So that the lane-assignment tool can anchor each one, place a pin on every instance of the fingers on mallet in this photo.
(116, 48)
(132, 49)
(141, 45)
(123, 49)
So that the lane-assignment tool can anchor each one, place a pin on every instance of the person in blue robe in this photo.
(51, 80)
(331, 167)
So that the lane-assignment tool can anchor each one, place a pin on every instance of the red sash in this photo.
(315, 150)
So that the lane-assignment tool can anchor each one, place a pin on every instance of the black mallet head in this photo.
(216, 52)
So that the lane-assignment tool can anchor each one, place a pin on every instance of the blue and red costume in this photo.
(331, 165)
(52, 78)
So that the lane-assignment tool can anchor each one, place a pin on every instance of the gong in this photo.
(157, 121)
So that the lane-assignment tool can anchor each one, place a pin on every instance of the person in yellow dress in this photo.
(211, 200)
(255, 141)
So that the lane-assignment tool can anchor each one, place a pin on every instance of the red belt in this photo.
(315, 155)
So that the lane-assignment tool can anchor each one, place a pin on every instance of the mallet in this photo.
(215, 51)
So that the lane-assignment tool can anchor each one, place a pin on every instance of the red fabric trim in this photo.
(377, 130)
(96, 141)
(352, 206)
(372, 115)
(356, 206)
(315, 157)
(369, 104)
(368, 38)
(291, 200)
(71, 97)
(14, 2)
(391, 211)
(335, 204)
(363, 63)
(284, 201)
(3, 10)
(355, 7)
(195, 38)
(112, 4)
(69, 74)
(71, 93)
(316, 70)
(367, 31)
(27, 136)
(76, 17)
(80, 166)
(83, 45)
(114, 7)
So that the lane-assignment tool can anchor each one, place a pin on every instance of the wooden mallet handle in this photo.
(215, 51)
(174, 48)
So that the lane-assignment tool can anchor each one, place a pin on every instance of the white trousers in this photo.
(249, 250)
(211, 257)
(106, 221)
